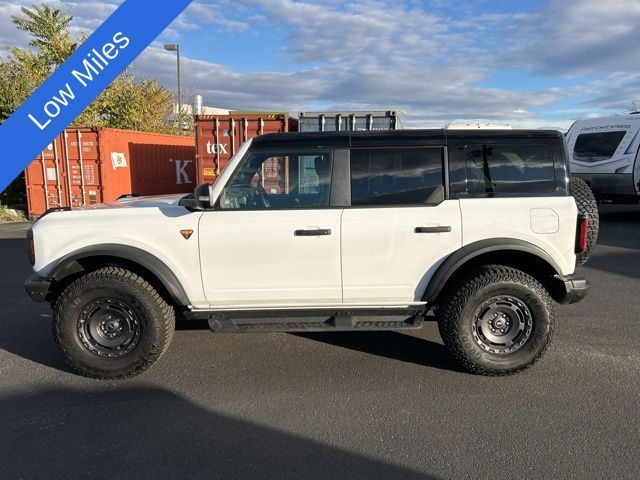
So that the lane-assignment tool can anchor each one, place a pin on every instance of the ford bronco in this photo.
(330, 232)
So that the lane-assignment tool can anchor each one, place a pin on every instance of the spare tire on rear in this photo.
(587, 205)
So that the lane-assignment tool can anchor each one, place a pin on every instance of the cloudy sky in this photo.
(530, 63)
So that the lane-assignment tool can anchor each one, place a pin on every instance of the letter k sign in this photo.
(182, 176)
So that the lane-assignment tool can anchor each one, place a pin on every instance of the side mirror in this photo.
(203, 196)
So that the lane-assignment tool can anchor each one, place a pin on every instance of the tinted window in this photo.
(280, 180)
(394, 176)
(595, 147)
(512, 169)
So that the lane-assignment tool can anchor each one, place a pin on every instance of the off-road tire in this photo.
(126, 292)
(587, 205)
(458, 308)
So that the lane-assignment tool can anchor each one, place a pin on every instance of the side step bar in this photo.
(310, 320)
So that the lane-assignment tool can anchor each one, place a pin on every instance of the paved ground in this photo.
(377, 405)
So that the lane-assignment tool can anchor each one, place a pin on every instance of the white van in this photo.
(605, 152)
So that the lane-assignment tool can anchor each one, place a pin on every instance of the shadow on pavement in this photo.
(153, 433)
(392, 345)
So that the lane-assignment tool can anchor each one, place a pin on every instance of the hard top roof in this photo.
(395, 137)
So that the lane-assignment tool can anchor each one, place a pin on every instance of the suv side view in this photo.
(329, 231)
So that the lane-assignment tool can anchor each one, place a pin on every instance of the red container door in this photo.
(44, 181)
(66, 174)
(218, 138)
(81, 151)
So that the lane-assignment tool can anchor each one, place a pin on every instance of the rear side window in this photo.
(510, 169)
(596, 147)
(394, 176)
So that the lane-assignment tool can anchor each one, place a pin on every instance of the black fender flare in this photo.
(70, 264)
(460, 257)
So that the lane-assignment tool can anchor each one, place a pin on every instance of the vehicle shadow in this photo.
(388, 344)
(393, 345)
(153, 433)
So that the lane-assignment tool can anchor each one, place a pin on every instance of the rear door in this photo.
(400, 225)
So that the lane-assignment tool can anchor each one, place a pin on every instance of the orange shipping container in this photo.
(218, 137)
(83, 166)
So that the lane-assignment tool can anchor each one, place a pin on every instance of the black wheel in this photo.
(587, 205)
(112, 324)
(496, 320)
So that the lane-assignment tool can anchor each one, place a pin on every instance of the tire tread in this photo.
(128, 279)
(458, 294)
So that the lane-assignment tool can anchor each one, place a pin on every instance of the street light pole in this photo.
(174, 47)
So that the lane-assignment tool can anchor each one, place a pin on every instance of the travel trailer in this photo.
(605, 152)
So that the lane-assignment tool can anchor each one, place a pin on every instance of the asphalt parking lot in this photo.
(367, 405)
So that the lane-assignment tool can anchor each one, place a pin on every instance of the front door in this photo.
(399, 227)
(274, 241)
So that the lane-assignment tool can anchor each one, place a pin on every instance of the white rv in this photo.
(605, 152)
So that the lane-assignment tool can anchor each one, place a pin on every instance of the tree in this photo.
(131, 104)
(128, 103)
(49, 29)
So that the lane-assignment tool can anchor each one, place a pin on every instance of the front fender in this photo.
(70, 263)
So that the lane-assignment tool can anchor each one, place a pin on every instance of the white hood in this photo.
(139, 202)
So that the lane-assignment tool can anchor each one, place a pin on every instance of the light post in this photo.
(174, 47)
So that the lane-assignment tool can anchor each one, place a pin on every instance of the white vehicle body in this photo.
(251, 259)
(342, 231)
(605, 152)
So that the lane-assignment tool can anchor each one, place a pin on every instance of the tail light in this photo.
(581, 233)
(31, 247)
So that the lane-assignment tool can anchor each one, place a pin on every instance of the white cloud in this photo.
(9, 36)
(578, 38)
(437, 101)
(371, 54)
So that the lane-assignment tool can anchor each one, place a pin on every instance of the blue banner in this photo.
(77, 82)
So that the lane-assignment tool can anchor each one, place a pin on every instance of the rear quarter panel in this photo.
(547, 222)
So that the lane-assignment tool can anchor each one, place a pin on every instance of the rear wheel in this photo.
(496, 320)
(588, 206)
(111, 323)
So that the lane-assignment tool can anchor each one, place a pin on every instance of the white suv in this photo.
(328, 231)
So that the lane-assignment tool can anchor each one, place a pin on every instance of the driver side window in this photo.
(280, 180)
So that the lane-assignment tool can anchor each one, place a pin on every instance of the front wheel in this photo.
(496, 320)
(111, 324)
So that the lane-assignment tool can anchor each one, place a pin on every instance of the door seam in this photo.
(341, 262)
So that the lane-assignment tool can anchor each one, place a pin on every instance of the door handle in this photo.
(445, 229)
(312, 233)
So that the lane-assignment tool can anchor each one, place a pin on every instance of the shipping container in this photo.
(348, 121)
(84, 166)
(218, 137)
